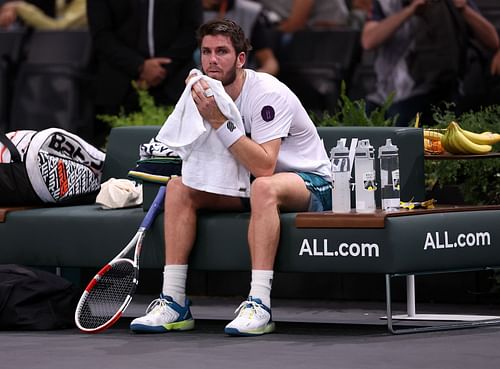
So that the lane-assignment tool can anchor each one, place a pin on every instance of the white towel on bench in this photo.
(206, 164)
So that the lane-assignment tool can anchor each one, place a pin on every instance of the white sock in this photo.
(260, 287)
(174, 282)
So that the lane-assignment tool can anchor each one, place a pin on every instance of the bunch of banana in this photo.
(457, 140)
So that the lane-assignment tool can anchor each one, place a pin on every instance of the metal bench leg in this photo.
(464, 321)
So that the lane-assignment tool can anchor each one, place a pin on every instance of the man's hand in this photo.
(152, 72)
(206, 104)
(191, 75)
(8, 14)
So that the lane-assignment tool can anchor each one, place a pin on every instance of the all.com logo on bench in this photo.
(315, 247)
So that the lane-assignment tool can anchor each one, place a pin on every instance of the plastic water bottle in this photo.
(341, 170)
(389, 176)
(365, 177)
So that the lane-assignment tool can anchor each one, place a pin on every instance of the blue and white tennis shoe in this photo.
(164, 315)
(254, 319)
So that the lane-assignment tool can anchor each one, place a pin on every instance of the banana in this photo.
(485, 138)
(464, 144)
(445, 141)
(450, 143)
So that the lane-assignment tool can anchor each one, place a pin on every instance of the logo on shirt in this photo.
(230, 125)
(267, 113)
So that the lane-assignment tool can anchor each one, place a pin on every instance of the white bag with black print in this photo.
(58, 166)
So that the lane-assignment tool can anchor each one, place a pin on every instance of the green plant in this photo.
(149, 113)
(353, 113)
(478, 179)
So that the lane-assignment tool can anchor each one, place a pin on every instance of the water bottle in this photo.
(341, 170)
(389, 176)
(365, 177)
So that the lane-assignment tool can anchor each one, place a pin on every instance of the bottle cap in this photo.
(387, 149)
(339, 150)
(364, 149)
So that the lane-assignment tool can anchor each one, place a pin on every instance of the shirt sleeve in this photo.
(271, 117)
(73, 16)
(377, 14)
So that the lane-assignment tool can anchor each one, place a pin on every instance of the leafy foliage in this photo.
(479, 179)
(149, 114)
(353, 113)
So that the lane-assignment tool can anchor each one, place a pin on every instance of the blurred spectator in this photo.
(295, 15)
(421, 52)
(70, 15)
(360, 10)
(147, 41)
(248, 14)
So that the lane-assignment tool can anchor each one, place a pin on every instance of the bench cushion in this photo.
(87, 236)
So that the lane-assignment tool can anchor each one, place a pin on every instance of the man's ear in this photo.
(242, 58)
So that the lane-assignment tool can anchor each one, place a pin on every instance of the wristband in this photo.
(228, 133)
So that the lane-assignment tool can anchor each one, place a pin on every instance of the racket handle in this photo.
(155, 208)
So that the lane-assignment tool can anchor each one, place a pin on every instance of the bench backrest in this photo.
(411, 152)
(123, 151)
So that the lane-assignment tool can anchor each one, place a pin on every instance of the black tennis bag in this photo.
(32, 299)
(51, 166)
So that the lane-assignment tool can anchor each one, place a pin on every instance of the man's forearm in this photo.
(260, 160)
(376, 33)
(483, 30)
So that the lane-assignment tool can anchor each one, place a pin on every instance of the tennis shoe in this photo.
(254, 319)
(164, 315)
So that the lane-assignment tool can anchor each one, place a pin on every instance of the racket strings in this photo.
(107, 296)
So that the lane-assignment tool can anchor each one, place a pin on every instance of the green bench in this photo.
(88, 236)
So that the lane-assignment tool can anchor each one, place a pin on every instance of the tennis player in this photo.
(282, 150)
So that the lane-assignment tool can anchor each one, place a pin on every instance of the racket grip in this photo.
(155, 208)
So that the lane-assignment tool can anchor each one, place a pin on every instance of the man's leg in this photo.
(181, 207)
(269, 195)
(171, 311)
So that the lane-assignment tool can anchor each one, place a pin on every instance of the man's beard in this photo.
(231, 76)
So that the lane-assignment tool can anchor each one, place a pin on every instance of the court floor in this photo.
(310, 334)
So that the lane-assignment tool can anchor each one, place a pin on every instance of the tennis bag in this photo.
(32, 299)
(51, 166)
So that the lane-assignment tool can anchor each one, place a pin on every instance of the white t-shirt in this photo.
(270, 110)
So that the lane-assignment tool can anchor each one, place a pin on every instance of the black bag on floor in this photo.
(32, 299)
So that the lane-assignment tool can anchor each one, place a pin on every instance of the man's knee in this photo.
(177, 192)
(263, 192)
(175, 186)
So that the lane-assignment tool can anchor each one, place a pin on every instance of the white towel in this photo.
(119, 193)
(206, 164)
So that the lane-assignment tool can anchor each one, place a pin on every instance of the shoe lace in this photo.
(158, 305)
(249, 308)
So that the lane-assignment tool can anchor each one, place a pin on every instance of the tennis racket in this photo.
(110, 291)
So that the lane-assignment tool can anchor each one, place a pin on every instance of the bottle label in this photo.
(395, 180)
(369, 181)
